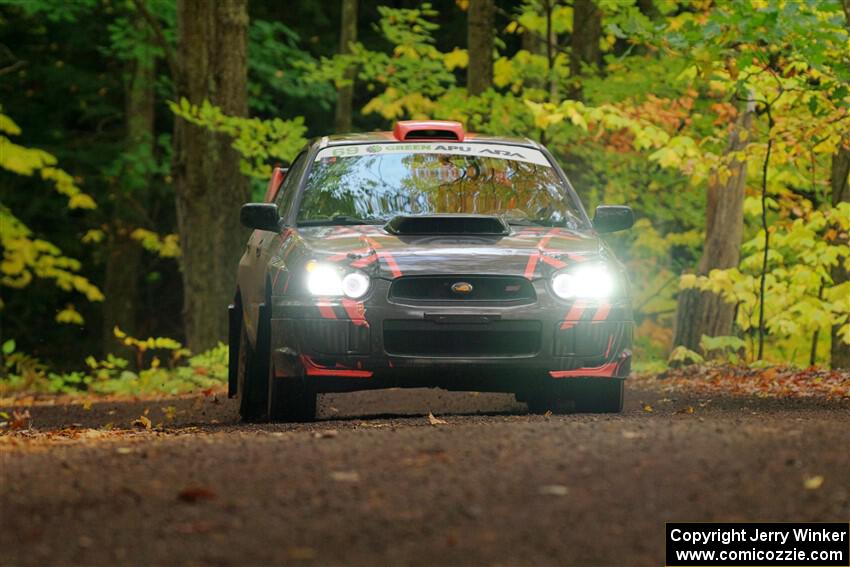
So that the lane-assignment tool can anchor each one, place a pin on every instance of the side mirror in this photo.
(611, 218)
(261, 216)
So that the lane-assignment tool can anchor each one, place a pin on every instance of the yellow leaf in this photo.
(69, 315)
(142, 422)
(456, 58)
(813, 482)
(435, 420)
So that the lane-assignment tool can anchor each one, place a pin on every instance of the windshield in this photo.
(373, 183)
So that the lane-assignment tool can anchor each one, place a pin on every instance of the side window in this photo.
(286, 193)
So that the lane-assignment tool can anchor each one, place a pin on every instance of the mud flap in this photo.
(234, 316)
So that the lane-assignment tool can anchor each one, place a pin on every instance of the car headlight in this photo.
(355, 285)
(594, 282)
(327, 281)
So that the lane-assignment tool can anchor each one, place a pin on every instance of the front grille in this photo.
(493, 339)
(483, 288)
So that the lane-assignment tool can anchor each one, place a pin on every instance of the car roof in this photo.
(388, 138)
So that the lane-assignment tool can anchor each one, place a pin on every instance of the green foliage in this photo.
(724, 347)
(24, 374)
(26, 257)
(258, 141)
(276, 66)
(682, 356)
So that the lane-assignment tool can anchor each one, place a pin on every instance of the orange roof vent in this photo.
(428, 130)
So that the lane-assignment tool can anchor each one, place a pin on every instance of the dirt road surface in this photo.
(374, 482)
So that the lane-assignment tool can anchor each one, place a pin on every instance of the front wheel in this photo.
(253, 371)
(579, 395)
(291, 399)
(598, 395)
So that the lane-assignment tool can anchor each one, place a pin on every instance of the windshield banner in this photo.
(498, 151)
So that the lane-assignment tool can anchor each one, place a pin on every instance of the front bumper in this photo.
(346, 344)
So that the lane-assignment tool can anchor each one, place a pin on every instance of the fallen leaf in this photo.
(632, 435)
(647, 408)
(87, 405)
(554, 490)
(813, 482)
(196, 494)
(123, 450)
(20, 420)
(688, 409)
(142, 422)
(200, 527)
(301, 552)
(435, 420)
(326, 434)
(170, 412)
(345, 476)
(548, 413)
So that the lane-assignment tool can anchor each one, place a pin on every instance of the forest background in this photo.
(132, 130)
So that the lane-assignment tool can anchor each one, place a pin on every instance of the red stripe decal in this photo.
(567, 325)
(602, 312)
(610, 343)
(355, 311)
(391, 263)
(575, 312)
(607, 370)
(532, 264)
(313, 369)
(326, 309)
(365, 261)
(554, 262)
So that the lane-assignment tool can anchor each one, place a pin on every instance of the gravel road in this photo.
(375, 482)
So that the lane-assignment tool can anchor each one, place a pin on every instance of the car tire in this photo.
(291, 399)
(253, 372)
(598, 395)
(577, 395)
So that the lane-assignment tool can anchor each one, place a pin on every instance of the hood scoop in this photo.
(422, 225)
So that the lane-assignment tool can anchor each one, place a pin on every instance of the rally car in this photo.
(428, 257)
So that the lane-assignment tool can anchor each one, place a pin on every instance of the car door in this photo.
(261, 246)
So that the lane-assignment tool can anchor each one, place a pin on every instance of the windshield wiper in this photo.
(340, 220)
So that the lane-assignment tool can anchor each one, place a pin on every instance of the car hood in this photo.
(531, 252)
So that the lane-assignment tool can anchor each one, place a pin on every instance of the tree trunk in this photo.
(120, 289)
(701, 312)
(479, 73)
(584, 42)
(840, 351)
(124, 256)
(345, 93)
(209, 187)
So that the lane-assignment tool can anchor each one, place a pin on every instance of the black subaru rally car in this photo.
(428, 256)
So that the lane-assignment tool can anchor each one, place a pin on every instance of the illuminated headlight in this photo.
(595, 282)
(326, 281)
(355, 285)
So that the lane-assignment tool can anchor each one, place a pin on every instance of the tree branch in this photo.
(159, 36)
